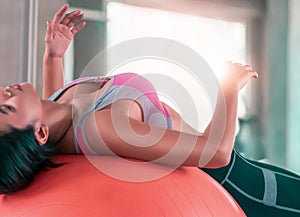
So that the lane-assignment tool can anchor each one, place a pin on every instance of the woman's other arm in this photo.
(132, 138)
(235, 77)
(59, 34)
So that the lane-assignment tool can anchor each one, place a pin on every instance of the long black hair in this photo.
(22, 158)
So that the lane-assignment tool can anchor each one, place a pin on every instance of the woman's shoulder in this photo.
(93, 79)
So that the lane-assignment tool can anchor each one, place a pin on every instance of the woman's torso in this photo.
(83, 94)
(68, 97)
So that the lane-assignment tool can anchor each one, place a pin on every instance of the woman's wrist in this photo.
(52, 73)
(50, 54)
(51, 58)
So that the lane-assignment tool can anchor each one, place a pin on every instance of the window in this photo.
(215, 40)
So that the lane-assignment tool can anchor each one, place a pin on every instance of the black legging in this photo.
(262, 190)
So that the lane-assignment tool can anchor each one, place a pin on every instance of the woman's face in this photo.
(20, 106)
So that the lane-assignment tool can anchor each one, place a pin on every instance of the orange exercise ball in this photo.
(78, 189)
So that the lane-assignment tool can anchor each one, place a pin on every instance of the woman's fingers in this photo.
(248, 67)
(242, 68)
(254, 74)
(74, 20)
(69, 17)
(78, 27)
(57, 17)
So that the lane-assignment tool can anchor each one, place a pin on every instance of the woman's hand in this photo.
(61, 31)
(237, 75)
(59, 34)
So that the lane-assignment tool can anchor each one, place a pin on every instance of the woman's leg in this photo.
(260, 189)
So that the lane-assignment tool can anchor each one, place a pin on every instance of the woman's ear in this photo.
(41, 134)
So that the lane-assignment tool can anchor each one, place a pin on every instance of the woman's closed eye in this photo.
(5, 109)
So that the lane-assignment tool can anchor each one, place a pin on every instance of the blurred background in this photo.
(263, 33)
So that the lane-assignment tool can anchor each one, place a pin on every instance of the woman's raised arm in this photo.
(59, 34)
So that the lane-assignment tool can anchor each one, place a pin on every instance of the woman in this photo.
(33, 130)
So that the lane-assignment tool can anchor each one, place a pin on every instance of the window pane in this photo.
(215, 40)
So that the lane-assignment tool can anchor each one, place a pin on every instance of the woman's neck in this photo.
(58, 117)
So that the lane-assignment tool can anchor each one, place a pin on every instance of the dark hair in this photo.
(22, 158)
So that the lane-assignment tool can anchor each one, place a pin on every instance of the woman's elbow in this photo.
(223, 158)
(220, 159)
